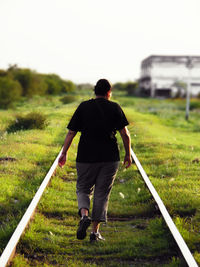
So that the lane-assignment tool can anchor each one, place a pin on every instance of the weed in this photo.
(33, 120)
(195, 104)
(68, 99)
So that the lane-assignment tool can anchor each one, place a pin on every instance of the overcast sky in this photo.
(84, 40)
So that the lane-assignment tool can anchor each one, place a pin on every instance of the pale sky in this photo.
(85, 40)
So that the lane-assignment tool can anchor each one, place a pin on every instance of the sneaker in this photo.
(83, 226)
(96, 237)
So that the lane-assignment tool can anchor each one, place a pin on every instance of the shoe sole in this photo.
(81, 233)
(97, 239)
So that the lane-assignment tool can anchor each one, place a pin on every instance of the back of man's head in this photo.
(102, 87)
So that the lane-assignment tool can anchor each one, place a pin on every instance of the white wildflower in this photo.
(121, 194)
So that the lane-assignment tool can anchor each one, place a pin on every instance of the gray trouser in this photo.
(97, 177)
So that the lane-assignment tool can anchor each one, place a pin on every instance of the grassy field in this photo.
(167, 146)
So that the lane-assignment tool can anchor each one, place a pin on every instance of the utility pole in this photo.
(189, 66)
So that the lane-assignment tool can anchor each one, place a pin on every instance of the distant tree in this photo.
(180, 84)
(12, 67)
(68, 86)
(54, 84)
(179, 89)
(119, 86)
(129, 87)
(39, 86)
(85, 86)
(33, 83)
(3, 73)
(26, 78)
(10, 91)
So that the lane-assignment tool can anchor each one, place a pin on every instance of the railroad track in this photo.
(9, 251)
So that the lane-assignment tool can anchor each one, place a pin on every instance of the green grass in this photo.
(34, 151)
(166, 146)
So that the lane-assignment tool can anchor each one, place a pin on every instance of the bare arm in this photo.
(68, 140)
(127, 146)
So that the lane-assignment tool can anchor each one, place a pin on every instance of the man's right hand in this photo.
(62, 160)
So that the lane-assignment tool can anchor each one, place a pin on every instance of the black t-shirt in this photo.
(98, 120)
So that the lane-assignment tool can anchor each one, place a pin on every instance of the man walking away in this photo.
(98, 158)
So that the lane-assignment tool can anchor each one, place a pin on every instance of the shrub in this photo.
(10, 91)
(68, 99)
(33, 120)
(194, 105)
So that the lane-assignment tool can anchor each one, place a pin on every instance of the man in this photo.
(98, 155)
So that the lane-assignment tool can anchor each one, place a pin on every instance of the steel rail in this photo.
(9, 250)
(177, 236)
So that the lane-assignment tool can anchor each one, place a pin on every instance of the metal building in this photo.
(167, 76)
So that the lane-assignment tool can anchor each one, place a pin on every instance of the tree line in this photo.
(21, 82)
(18, 82)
